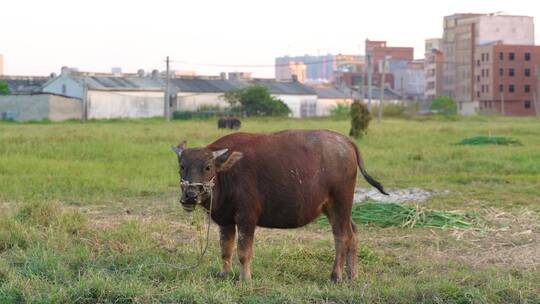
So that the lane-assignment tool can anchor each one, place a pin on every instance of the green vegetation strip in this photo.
(490, 140)
(392, 214)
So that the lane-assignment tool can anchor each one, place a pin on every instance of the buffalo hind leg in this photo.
(352, 254)
(341, 241)
(226, 240)
(339, 210)
(245, 250)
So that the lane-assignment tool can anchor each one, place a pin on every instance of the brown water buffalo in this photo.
(279, 180)
(229, 123)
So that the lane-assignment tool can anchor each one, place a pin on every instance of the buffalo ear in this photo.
(229, 162)
(180, 148)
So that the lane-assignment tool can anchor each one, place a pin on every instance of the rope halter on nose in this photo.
(207, 188)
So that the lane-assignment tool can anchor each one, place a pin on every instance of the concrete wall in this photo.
(509, 29)
(124, 104)
(411, 82)
(73, 88)
(294, 102)
(25, 107)
(39, 107)
(63, 108)
(187, 101)
(325, 105)
(468, 108)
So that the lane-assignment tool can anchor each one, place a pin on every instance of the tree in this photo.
(444, 105)
(4, 89)
(360, 118)
(256, 101)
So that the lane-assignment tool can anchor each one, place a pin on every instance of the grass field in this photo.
(87, 208)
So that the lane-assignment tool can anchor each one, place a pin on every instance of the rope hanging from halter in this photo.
(208, 187)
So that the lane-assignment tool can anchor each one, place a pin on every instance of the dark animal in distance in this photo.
(278, 180)
(229, 123)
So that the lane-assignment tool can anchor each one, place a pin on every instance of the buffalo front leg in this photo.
(226, 240)
(245, 250)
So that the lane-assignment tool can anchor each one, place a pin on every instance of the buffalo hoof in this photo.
(223, 274)
(335, 278)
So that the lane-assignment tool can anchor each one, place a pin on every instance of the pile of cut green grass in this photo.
(392, 214)
(490, 140)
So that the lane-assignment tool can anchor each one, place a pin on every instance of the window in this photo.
(308, 108)
(511, 88)
(483, 57)
(501, 88)
(527, 104)
(501, 72)
(527, 56)
(478, 78)
(501, 56)
(527, 88)
(483, 73)
(487, 72)
(487, 56)
(483, 88)
(511, 72)
(478, 62)
(511, 56)
(477, 93)
(64, 89)
(527, 72)
(487, 88)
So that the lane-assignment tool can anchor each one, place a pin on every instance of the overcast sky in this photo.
(38, 37)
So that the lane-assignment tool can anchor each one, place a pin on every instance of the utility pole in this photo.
(381, 92)
(536, 95)
(167, 94)
(502, 103)
(84, 110)
(370, 79)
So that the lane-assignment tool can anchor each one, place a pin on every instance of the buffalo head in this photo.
(198, 170)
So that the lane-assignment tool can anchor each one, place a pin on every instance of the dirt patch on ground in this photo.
(414, 195)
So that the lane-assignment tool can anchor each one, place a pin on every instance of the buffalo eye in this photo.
(182, 168)
(207, 168)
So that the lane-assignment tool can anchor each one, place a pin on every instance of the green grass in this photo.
(489, 140)
(392, 214)
(88, 208)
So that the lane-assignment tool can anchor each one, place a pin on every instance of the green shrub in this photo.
(444, 105)
(360, 118)
(340, 111)
(391, 110)
(257, 101)
(4, 88)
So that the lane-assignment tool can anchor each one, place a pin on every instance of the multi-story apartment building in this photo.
(318, 69)
(1, 64)
(378, 50)
(463, 33)
(290, 70)
(506, 78)
(433, 68)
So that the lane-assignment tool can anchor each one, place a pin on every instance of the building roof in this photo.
(388, 93)
(204, 85)
(201, 85)
(24, 84)
(284, 87)
(120, 82)
(332, 93)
